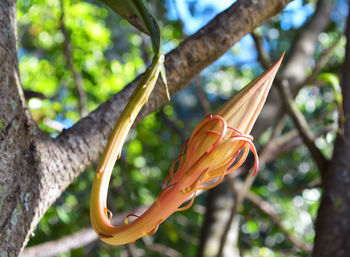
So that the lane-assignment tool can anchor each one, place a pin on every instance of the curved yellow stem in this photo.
(100, 216)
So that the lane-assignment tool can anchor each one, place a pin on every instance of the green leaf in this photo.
(333, 81)
(138, 15)
(127, 9)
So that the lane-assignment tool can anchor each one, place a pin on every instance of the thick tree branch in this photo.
(17, 134)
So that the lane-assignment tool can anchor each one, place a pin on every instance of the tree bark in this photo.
(20, 170)
(333, 220)
(35, 169)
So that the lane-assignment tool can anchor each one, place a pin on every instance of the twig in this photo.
(31, 94)
(265, 60)
(289, 141)
(283, 144)
(326, 55)
(268, 209)
(131, 250)
(301, 124)
(70, 242)
(279, 127)
(203, 100)
(159, 248)
(263, 56)
(313, 184)
(171, 124)
(76, 75)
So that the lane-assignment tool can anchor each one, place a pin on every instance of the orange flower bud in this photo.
(218, 145)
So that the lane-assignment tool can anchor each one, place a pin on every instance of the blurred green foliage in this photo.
(109, 53)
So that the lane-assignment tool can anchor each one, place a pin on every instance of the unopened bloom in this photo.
(218, 145)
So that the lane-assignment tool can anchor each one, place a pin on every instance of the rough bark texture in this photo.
(333, 221)
(20, 181)
(35, 169)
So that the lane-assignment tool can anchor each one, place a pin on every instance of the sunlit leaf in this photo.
(137, 14)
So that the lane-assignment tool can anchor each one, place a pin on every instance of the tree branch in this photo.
(263, 56)
(78, 80)
(74, 241)
(301, 124)
(203, 100)
(268, 209)
(17, 133)
(299, 57)
(323, 60)
(159, 248)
